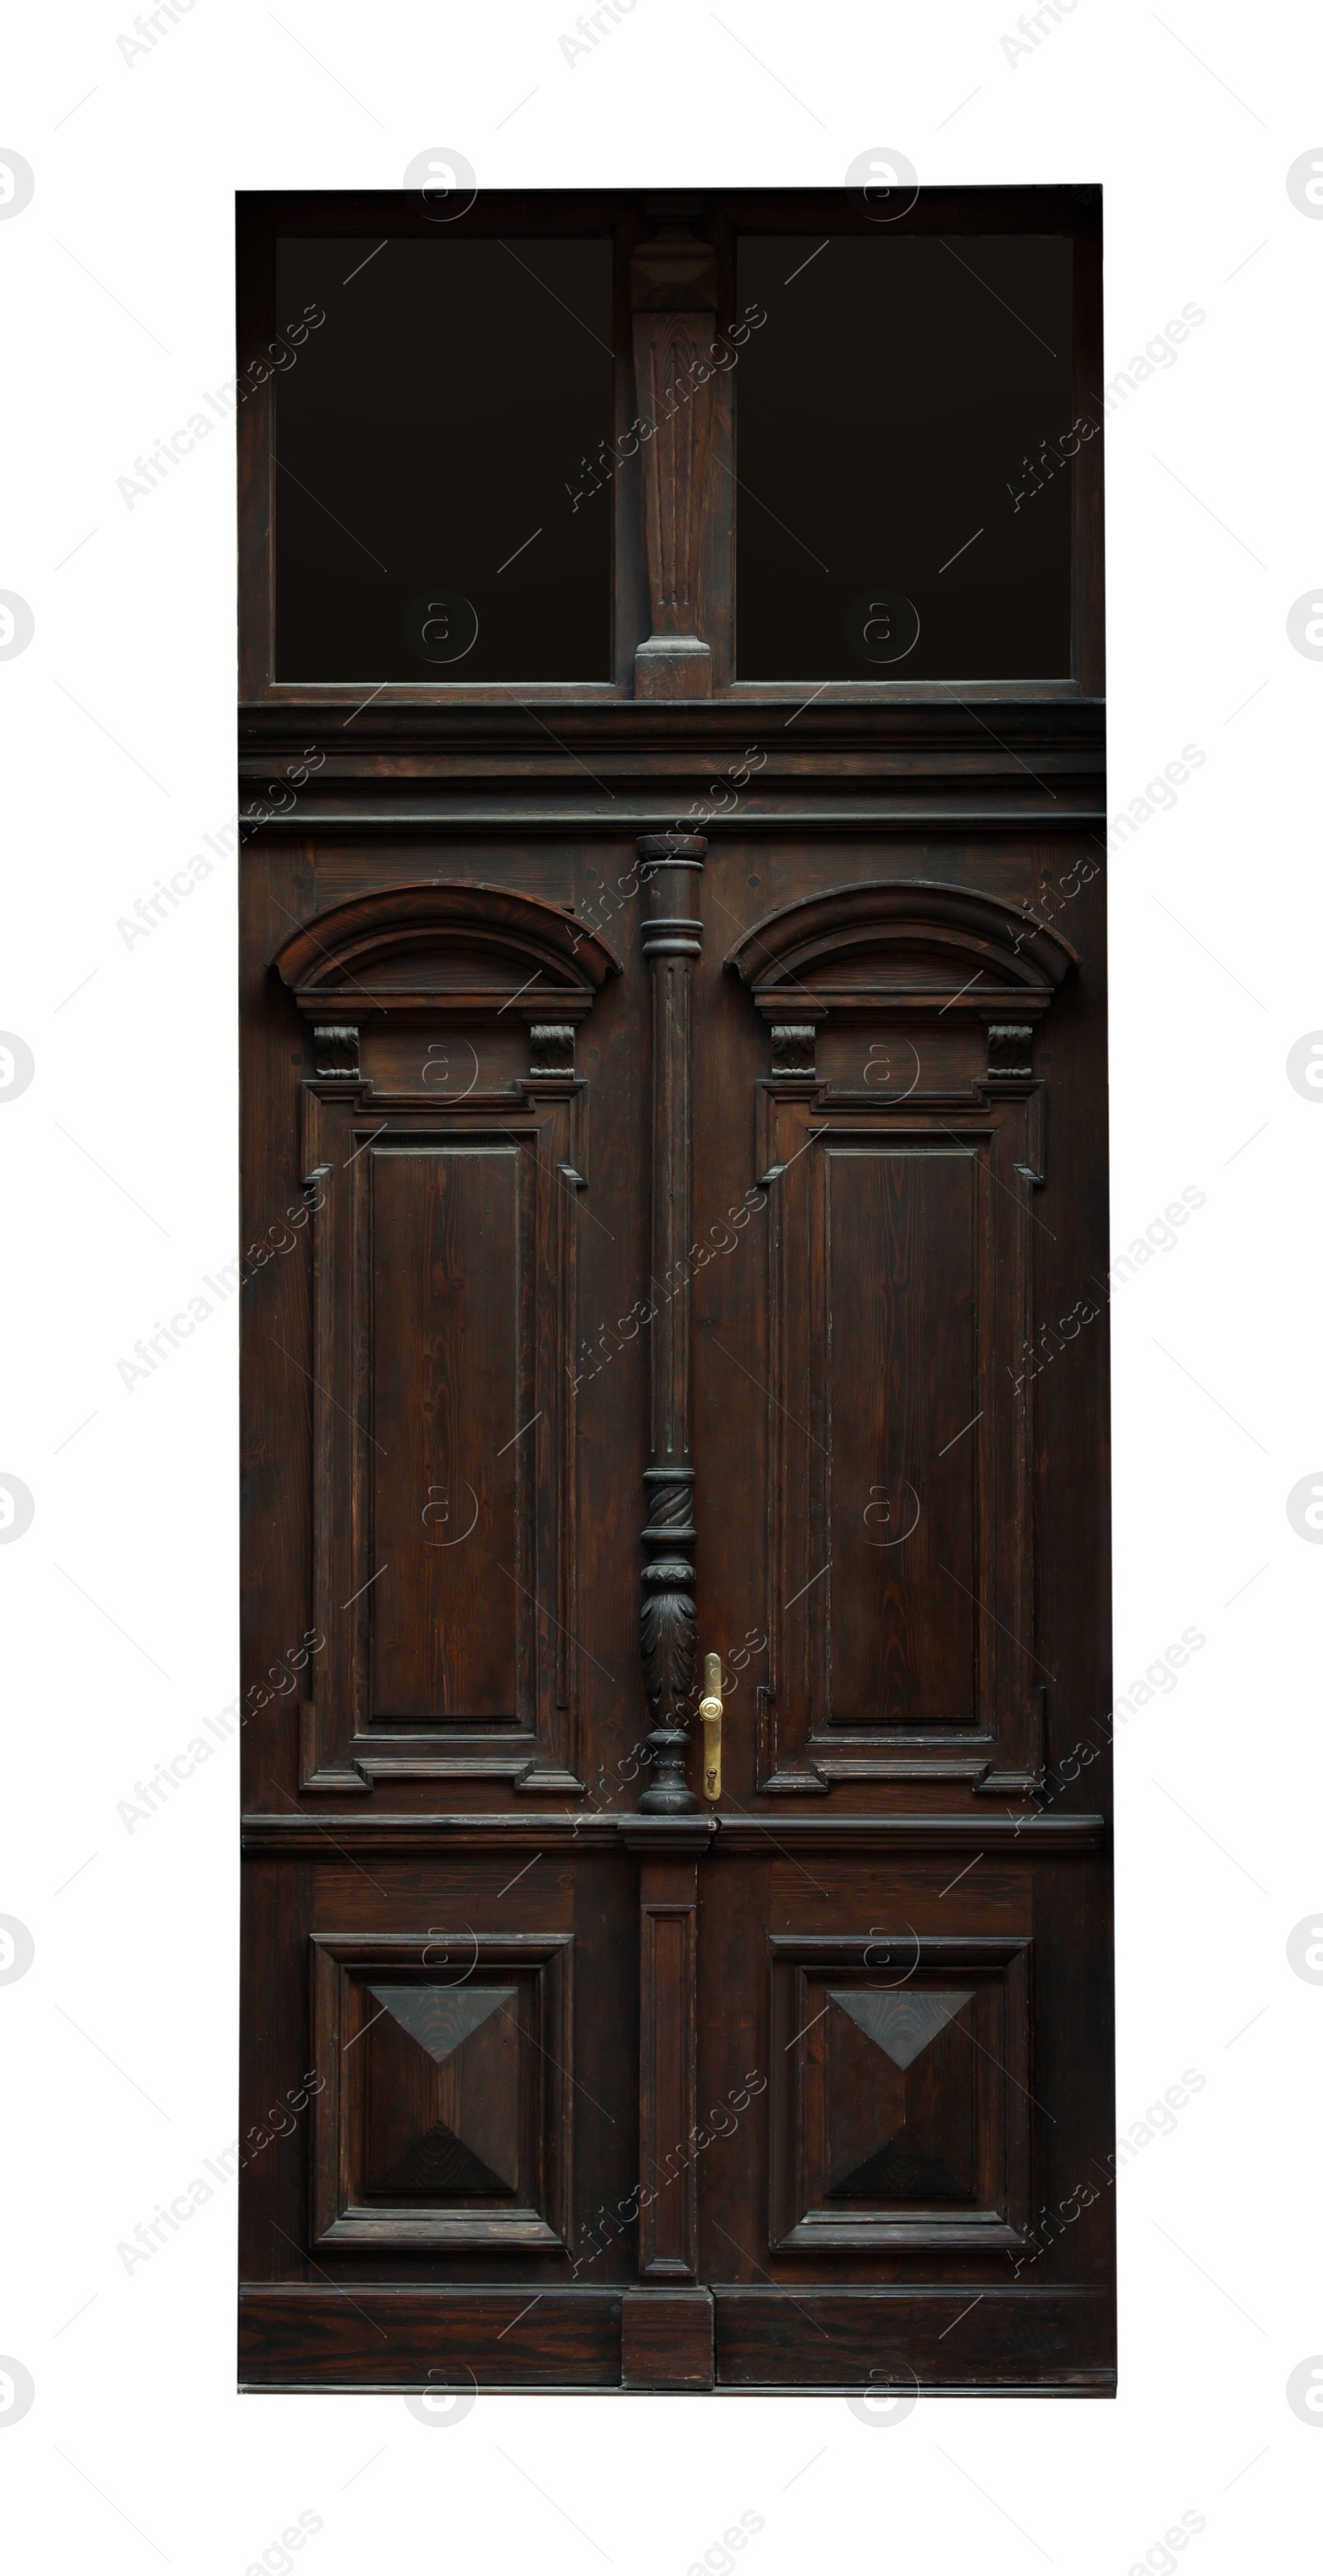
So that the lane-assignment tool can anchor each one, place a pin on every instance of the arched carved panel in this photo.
(914, 944)
(900, 1303)
(471, 949)
(441, 1391)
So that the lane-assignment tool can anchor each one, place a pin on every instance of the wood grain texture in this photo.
(666, 2339)
(668, 2041)
(894, 2341)
(556, 1205)
(456, 2338)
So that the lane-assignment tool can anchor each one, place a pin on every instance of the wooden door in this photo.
(675, 1164)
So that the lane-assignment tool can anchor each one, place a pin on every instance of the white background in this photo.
(118, 1607)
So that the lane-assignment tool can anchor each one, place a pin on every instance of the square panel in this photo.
(899, 2105)
(445, 2115)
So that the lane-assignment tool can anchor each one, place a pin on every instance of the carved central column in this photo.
(672, 870)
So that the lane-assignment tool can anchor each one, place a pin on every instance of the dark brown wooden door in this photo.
(676, 1259)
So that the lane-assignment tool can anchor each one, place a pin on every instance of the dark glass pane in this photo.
(429, 437)
(903, 509)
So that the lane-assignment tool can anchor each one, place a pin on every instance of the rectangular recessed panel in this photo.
(433, 416)
(902, 1391)
(904, 431)
(451, 1369)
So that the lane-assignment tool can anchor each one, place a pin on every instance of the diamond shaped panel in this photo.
(443, 2090)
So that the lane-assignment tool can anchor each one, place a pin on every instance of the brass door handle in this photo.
(710, 1711)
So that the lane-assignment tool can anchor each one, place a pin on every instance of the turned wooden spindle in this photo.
(672, 869)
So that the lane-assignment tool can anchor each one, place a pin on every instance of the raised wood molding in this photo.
(876, 721)
(1045, 1836)
(851, 732)
(669, 1834)
(846, 763)
(843, 805)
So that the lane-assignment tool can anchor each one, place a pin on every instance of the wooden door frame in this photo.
(338, 777)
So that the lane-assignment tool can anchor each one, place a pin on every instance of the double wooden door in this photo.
(677, 1949)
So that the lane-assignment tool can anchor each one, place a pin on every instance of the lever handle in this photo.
(710, 1711)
